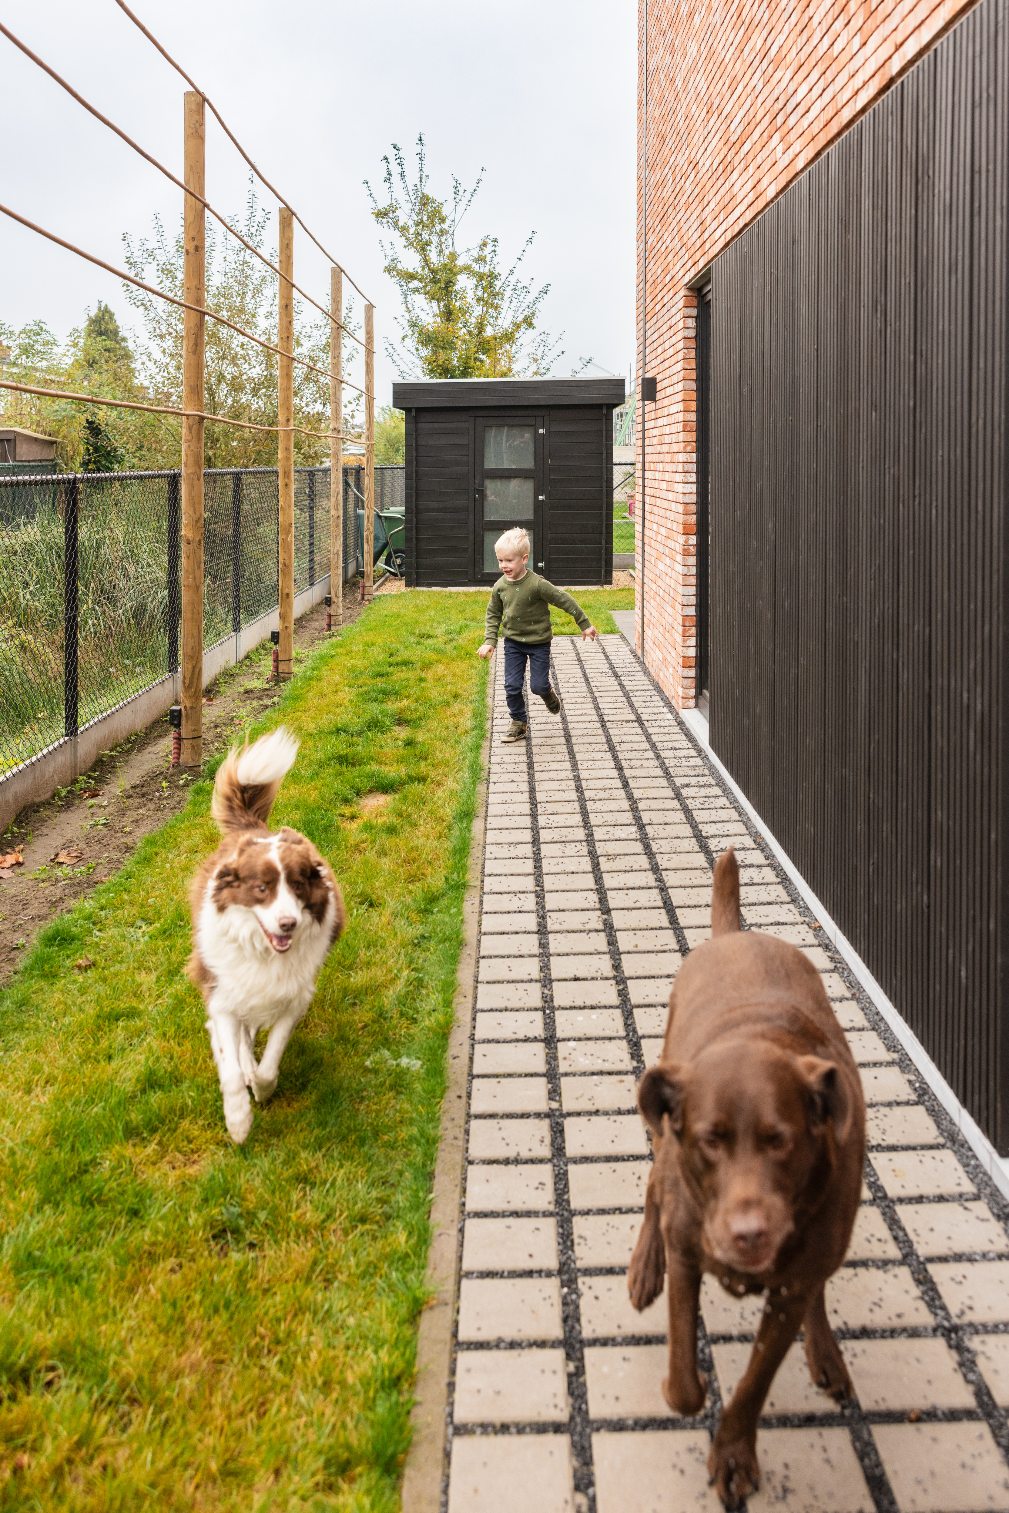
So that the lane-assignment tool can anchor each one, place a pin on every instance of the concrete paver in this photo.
(512, 1243)
(508, 1473)
(511, 1386)
(601, 832)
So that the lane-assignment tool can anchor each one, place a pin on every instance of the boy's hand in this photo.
(485, 651)
(590, 634)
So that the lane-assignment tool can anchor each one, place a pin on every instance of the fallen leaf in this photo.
(83, 964)
(13, 858)
(91, 793)
(68, 856)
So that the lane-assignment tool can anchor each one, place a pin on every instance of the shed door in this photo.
(509, 459)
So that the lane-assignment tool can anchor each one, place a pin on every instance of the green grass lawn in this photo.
(189, 1325)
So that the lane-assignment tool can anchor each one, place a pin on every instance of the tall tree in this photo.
(464, 314)
(95, 359)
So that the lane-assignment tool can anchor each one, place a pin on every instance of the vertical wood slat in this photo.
(860, 543)
(285, 446)
(336, 446)
(996, 150)
(194, 292)
(368, 582)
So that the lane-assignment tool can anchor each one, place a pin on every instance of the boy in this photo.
(522, 600)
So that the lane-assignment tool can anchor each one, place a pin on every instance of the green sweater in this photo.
(524, 609)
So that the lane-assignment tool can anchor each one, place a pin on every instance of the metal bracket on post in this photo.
(175, 722)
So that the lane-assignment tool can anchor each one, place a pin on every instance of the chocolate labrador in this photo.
(758, 1125)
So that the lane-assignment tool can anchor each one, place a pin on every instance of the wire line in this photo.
(172, 299)
(174, 178)
(136, 404)
(236, 143)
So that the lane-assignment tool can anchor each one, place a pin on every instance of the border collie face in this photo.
(278, 879)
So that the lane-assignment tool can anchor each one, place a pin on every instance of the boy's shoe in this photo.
(515, 732)
(552, 702)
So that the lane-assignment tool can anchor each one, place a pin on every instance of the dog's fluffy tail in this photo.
(725, 894)
(247, 780)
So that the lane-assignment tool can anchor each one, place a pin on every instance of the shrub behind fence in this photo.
(90, 584)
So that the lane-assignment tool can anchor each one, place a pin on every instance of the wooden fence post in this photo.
(285, 447)
(194, 290)
(368, 583)
(336, 446)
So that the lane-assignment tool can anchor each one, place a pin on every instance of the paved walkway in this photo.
(601, 831)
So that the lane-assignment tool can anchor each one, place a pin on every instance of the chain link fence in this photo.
(623, 509)
(90, 574)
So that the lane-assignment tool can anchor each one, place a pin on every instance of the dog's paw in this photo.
(646, 1271)
(733, 1470)
(238, 1116)
(263, 1088)
(685, 1394)
(827, 1368)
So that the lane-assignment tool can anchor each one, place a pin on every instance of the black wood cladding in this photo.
(859, 548)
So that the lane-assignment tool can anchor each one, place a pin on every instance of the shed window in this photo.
(508, 447)
(508, 499)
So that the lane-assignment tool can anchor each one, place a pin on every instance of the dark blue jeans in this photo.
(517, 654)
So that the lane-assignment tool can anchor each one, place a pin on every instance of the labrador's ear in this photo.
(661, 1094)
(829, 1095)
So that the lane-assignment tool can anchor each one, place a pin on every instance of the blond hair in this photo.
(514, 543)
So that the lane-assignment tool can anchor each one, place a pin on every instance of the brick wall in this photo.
(741, 99)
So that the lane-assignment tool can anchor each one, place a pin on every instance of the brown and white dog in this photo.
(758, 1126)
(266, 909)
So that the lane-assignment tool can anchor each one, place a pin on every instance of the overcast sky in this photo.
(539, 93)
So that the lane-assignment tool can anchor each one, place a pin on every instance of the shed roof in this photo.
(499, 393)
(7, 431)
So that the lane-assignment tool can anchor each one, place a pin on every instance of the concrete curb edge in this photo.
(424, 1471)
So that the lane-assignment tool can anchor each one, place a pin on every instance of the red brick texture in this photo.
(741, 98)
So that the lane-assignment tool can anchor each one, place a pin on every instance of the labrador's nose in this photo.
(748, 1229)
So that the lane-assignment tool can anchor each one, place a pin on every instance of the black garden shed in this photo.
(486, 454)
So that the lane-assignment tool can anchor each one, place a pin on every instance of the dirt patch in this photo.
(372, 802)
(83, 834)
(623, 577)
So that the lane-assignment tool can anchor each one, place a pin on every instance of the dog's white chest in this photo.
(252, 982)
